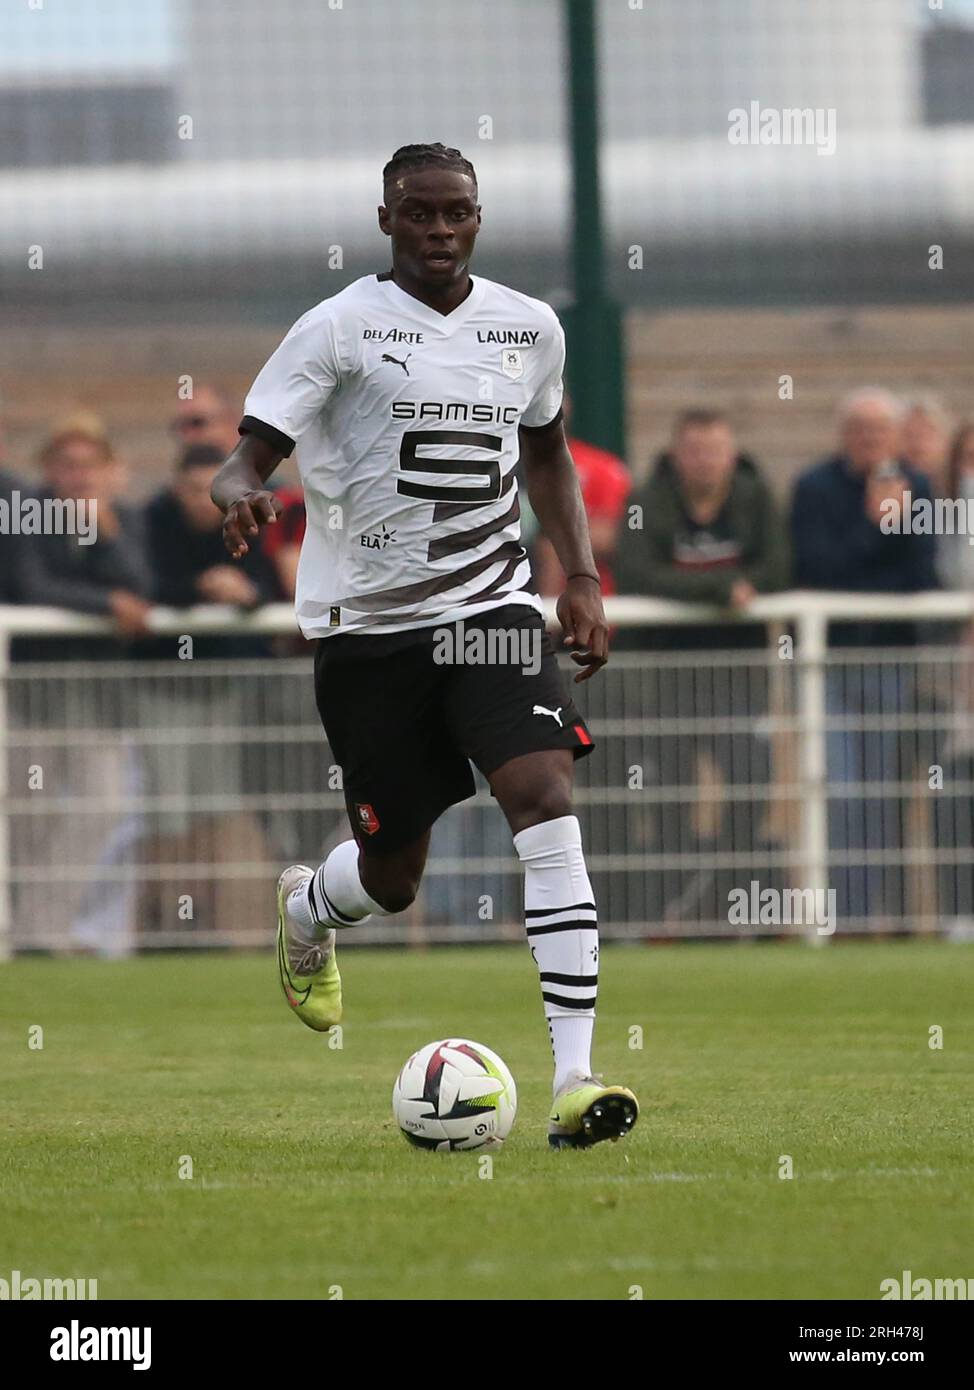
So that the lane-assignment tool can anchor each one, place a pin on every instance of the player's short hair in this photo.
(409, 157)
(699, 418)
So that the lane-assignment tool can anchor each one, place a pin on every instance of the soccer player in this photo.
(411, 395)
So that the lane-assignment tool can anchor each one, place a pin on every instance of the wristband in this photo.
(594, 577)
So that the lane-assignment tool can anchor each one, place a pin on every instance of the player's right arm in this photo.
(291, 388)
(238, 490)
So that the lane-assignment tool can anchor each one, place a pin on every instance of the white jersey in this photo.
(406, 425)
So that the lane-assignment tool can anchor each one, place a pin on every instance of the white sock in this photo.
(333, 896)
(562, 928)
(571, 1044)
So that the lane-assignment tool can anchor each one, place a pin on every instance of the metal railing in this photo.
(141, 802)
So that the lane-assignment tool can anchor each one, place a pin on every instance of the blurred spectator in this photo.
(707, 531)
(926, 440)
(11, 489)
(953, 805)
(839, 545)
(605, 482)
(103, 573)
(836, 514)
(7, 478)
(190, 564)
(78, 845)
(209, 418)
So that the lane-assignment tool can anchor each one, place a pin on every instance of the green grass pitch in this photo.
(301, 1183)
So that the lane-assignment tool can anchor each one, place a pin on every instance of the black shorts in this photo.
(404, 724)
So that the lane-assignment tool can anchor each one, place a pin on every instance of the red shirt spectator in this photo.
(605, 483)
(282, 541)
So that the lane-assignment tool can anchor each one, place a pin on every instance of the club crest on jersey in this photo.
(367, 819)
(511, 364)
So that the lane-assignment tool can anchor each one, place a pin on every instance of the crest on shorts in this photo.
(367, 819)
(511, 364)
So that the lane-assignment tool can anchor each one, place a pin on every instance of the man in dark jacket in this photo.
(837, 516)
(11, 489)
(704, 528)
(87, 558)
(842, 542)
(97, 565)
(189, 562)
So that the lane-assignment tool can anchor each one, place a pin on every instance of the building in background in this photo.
(167, 180)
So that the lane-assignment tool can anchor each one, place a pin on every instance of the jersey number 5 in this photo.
(437, 492)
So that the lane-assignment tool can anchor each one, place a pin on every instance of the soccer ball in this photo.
(455, 1094)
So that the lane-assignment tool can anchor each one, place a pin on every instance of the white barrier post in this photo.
(812, 634)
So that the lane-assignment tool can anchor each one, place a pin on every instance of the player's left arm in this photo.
(552, 485)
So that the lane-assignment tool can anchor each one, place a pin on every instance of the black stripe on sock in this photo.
(333, 912)
(562, 926)
(550, 911)
(548, 977)
(311, 899)
(565, 1003)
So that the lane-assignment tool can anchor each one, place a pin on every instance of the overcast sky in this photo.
(86, 35)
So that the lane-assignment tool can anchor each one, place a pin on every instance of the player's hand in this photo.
(130, 612)
(245, 517)
(224, 584)
(583, 624)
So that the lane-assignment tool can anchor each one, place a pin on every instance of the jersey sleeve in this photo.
(294, 384)
(545, 405)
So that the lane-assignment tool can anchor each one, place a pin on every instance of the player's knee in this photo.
(546, 803)
(395, 897)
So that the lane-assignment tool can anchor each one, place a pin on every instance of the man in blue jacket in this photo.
(843, 540)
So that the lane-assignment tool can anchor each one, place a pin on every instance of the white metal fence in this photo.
(152, 804)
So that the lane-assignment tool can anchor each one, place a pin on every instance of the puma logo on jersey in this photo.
(555, 713)
(388, 357)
